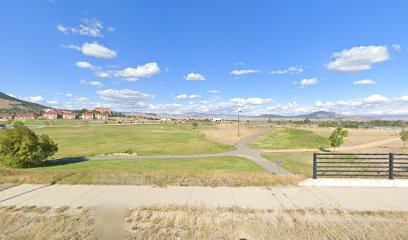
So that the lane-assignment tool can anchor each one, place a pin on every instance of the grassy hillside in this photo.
(13, 105)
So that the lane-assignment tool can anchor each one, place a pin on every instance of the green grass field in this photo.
(298, 163)
(166, 139)
(217, 171)
(289, 138)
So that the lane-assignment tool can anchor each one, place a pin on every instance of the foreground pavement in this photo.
(276, 198)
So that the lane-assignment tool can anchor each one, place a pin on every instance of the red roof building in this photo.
(103, 110)
(6, 116)
(24, 116)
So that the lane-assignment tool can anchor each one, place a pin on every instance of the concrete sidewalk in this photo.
(277, 198)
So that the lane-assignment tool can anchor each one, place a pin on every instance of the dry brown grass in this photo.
(177, 222)
(157, 178)
(357, 136)
(227, 133)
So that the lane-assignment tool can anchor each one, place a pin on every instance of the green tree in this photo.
(20, 147)
(307, 121)
(404, 136)
(337, 137)
(194, 125)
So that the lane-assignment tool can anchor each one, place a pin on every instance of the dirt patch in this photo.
(228, 133)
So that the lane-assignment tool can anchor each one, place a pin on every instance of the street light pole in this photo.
(238, 124)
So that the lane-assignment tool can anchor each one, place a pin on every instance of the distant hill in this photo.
(13, 105)
(314, 115)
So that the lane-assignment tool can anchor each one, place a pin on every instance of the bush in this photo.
(20, 147)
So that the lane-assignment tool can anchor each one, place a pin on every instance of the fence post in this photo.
(391, 166)
(314, 165)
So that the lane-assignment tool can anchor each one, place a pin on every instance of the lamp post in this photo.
(238, 124)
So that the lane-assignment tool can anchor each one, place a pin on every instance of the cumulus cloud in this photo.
(375, 98)
(185, 97)
(244, 72)
(308, 82)
(124, 96)
(358, 58)
(213, 91)
(94, 49)
(35, 99)
(52, 102)
(69, 95)
(86, 65)
(142, 71)
(251, 101)
(364, 82)
(92, 83)
(88, 27)
(194, 77)
(290, 70)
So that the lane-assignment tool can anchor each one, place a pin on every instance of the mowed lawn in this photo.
(289, 138)
(169, 139)
(300, 163)
(216, 171)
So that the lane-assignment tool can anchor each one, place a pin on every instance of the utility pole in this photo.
(239, 136)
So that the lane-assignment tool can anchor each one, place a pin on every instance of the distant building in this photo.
(216, 119)
(24, 116)
(102, 116)
(87, 116)
(103, 110)
(68, 115)
(6, 116)
(50, 114)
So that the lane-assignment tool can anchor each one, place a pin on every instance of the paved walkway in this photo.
(242, 149)
(277, 198)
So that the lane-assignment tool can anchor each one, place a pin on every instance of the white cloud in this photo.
(35, 99)
(403, 98)
(244, 72)
(69, 95)
(103, 74)
(142, 71)
(396, 47)
(213, 91)
(185, 96)
(94, 49)
(86, 65)
(251, 101)
(375, 98)
(364, 82)
(11, 95)
(87, 27)
(194, 77)
(62, 29)
(92, 83)
(124, 96)
(309, 82)
(358, 58)
(290, 70)
(52, 102)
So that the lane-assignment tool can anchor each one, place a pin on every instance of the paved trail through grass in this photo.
(242, 150)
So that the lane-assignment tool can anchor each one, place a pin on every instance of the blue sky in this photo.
(282, 57)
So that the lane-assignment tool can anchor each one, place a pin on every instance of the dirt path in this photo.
(340, 149)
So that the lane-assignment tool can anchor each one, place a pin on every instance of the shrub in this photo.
(20, 147)
(404, 136)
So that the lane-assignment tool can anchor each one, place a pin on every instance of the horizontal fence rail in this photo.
(378, 165)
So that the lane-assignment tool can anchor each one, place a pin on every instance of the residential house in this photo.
(6, 116)
(28, 116)
(87, 116)
(68, 115)
(102, 116)
(50, 114)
